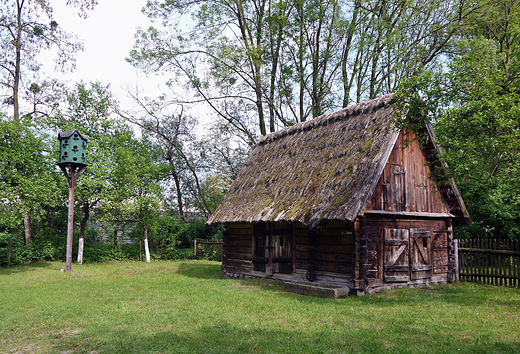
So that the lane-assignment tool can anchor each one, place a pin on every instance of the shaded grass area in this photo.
(186, 307)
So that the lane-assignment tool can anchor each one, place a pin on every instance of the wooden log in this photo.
(237, 226)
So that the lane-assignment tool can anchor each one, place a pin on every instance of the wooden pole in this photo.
(140, 250)
(9, 253)
(195, 247)
(70, 230)
(456, 270)
(72, 176)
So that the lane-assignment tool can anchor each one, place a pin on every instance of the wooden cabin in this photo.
(343, 200)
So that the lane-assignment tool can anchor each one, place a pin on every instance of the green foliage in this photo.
(262, 66)
(100, 252)
(173, 234)
(33, 252)
(179, 253)
(209, 254)
(28, 180)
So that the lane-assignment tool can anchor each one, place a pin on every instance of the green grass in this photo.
(186, 307)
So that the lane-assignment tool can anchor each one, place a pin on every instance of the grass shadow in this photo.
(223, 337)
(213, 270)
(200, 270)
(27, 267)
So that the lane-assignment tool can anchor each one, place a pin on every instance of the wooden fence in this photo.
(211, 249)
(495, 262)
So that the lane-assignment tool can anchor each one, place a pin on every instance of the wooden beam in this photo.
(409, 214)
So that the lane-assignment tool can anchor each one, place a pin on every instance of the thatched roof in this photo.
(322, 169)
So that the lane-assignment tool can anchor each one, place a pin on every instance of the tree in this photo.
(290, 60)
(28, 180)
(26, 29)
(474, 103)
(143, 173)
(173, 132)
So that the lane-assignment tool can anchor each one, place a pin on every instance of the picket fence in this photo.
(489, 261)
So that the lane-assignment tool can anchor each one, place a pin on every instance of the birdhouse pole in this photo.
(72, 161)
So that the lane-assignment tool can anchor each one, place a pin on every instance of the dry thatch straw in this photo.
(323, 169)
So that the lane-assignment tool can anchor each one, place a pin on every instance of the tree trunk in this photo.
(177, 181)
(347, 82)
(17, 65)
(28, 228)
(80, 250)
(70, 230)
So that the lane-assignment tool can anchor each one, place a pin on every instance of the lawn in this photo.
(187, 307)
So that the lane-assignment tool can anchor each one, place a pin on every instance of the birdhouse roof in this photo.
(66, 135)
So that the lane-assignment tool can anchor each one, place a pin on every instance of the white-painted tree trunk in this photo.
(80, 250)
(146, 250)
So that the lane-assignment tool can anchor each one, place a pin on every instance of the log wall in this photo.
(237, 248)
(326, 253)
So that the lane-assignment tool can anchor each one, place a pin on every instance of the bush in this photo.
(33, 252)
(100, 252)
(179, 253)
(172, 234)
(172, 239)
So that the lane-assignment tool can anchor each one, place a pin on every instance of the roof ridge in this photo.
(330, 118)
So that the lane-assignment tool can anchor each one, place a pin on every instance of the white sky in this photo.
(108, 37)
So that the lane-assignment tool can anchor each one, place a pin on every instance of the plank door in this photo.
(273, 248)
(281, 259)
(394, 184)
(260, 235)
(396, 262)
(420, 254)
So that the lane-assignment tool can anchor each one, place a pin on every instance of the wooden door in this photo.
(394, 185)
(260, 236)
(281, 255)
(420, 254)
(273, 248)
(396, 262)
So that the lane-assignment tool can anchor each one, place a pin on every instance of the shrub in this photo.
(20, 254)
(180, 253)
(100, 252)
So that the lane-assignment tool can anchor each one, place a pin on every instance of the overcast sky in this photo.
(108, 37)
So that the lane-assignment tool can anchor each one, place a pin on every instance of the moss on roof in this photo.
(323, 169)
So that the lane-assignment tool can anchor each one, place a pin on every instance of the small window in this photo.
(425, 243)
(260, 242)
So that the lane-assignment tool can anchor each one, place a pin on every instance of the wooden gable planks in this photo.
(405, 184)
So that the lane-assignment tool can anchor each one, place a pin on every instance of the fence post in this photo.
(195, 247)
(456, 270)
(9, 253)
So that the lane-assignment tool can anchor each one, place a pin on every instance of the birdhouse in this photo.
(73, 148)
